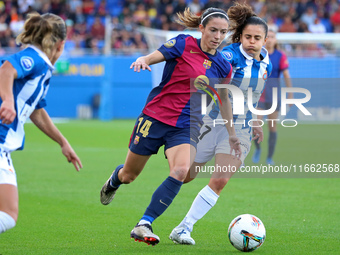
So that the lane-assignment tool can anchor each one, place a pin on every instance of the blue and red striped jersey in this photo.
(174, 101)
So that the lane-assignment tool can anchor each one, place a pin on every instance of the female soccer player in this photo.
(172, 114)
(25, 80)
(251, 66)
(280, 65)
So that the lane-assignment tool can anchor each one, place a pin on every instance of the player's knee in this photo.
(11, 209)
(218, 184)
(179, 172)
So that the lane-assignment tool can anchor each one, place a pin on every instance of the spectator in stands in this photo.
(309, 16)
(287, 26)
(77, 50)
(335, 19)
(140, 14)
(317, 27)
(97, 29)
(24, 4)
(88, 7)
(101, 8)
(140, 43)
(78, 16)
(272, 26)
(195, 7)
(74, 4)
(17, 25)
(302, 27)
(56, 7)
(180, 6)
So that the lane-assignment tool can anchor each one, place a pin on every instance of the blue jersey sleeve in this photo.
(230, 54)
(174, 47)
(25, 63)
(269, 68)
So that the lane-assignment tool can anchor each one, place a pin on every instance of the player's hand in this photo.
(140, 63)
(7, 112)
(235, 145)
(71, 156)
(257, 134)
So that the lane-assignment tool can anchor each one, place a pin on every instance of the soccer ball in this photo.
(246, 232)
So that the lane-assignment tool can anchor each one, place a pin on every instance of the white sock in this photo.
(6, 222)
(203, 202)
(141, 222)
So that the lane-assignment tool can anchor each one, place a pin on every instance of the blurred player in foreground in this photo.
(172, 114)
(280, 65)
(25, 80)
(251, 66)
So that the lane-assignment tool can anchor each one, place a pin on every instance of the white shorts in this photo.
(215, 140)
(7, 172)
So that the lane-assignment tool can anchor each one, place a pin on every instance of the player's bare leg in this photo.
(125, 174)
(8, 206)
(272, 137)
(205, 200)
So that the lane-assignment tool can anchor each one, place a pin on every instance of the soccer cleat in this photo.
(270, 161)
(181, 235)
(144, 233)
(107, 193)
(256, 156)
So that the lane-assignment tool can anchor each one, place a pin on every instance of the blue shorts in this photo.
(150, 134)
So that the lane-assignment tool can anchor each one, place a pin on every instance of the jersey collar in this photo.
(264, 54)
(43, 56)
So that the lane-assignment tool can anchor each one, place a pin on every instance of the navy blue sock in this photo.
(271, 143)
(115, 182)
(162, 198)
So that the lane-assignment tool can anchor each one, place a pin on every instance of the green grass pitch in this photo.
(60, 212)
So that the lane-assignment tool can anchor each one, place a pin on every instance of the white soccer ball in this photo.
(246, 232)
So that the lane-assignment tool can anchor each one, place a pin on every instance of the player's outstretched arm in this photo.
(7, 109)
(43, 121)
(146, 61)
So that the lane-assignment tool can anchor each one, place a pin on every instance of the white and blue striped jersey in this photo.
(247, 73)
(29, 89)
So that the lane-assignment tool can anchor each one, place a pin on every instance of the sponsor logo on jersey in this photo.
(27, 63)
(170, 43)
(265, 75)
(207, 64)
(228, 55)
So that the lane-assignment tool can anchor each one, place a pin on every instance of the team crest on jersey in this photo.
(265, 75)
(170, 43)
(207, 64)
(27, 63)
(136, 141)
(228, 55)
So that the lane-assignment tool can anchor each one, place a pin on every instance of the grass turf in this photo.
(60, 212)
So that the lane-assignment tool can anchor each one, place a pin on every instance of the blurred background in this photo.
(93, 79)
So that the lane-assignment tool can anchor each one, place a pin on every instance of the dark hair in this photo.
(240, 16)
(190, 20)
(43, 30)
